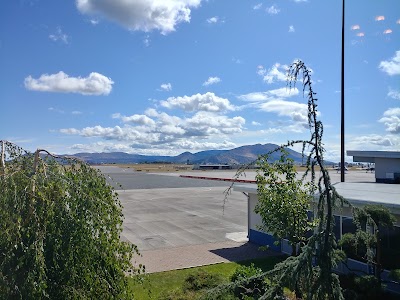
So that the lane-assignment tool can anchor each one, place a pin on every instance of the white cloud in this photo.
(395, 94)
(373, 142)
(270, 95)
(391, 119)
(257, 6)
(273, 10)
(59, 36)
(392, 66)
(137, 119)
(199, 102)
(94, 22)
(298, 112)
(94, 84)
(212, 20)
(211, 80)
(56, 110)
(146, 40)
(291, 28)
(166, 87)
(167, 129)
(254, 123)
(276, 73)
(76, 112)
(143, 15)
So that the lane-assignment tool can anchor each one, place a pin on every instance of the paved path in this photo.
(160, 260)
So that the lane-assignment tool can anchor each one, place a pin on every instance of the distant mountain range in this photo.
(240, 155)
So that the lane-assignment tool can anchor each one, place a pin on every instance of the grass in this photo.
(157, 283)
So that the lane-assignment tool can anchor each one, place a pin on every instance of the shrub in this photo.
(254, 288)
(202, 280)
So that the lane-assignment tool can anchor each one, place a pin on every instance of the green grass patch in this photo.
(156, 284)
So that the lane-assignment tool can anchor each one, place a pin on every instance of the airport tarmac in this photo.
(169, 215)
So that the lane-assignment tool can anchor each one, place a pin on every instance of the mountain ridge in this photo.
(240, 155)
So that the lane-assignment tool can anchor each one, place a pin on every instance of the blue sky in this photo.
(164, 77)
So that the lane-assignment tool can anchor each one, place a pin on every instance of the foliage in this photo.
(202, 280)
(60, 225)
(361, 287)
(283, 200)
(254, 288)
(366, 242)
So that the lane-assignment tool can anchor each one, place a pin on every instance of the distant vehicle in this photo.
(338, 169)
(372, 169)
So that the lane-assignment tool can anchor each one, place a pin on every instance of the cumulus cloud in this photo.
(137, 119)
(355, 27)
(94, 84)
(254, 123)
(167, 129)
(379, 18)
(391, 119)
(276, 73)
(59, 36)
(199, 102)
(387, 31)
(166, 87)
(291, 28)
(392, 66)
(360, 34)
(395, 94)
(296, 111)
(142, 15)
(273, 10)
(212, 20)
(211, 80)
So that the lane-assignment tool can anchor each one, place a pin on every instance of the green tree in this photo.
(60, 226)
(283, 201)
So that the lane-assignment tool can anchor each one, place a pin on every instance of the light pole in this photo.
(342, 106)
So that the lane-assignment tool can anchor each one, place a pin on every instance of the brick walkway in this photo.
(199, 255)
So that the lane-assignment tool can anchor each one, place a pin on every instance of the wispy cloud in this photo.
(291, 28)
(212, 20)
(273, 10)
(360, 34)
(257, 6)
(59, 36)
(211, 80)
(395, 94)
(166, 86)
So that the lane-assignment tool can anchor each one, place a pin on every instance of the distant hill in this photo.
(240, 155)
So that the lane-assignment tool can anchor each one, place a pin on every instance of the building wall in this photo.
(383, 166)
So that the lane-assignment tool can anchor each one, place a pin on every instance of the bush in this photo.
(253, 288)
(202, 280)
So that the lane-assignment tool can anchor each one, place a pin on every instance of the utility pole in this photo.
(342, 167)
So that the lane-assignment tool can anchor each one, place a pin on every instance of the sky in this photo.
(161, 77)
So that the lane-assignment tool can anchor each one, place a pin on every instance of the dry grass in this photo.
(155, 168)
